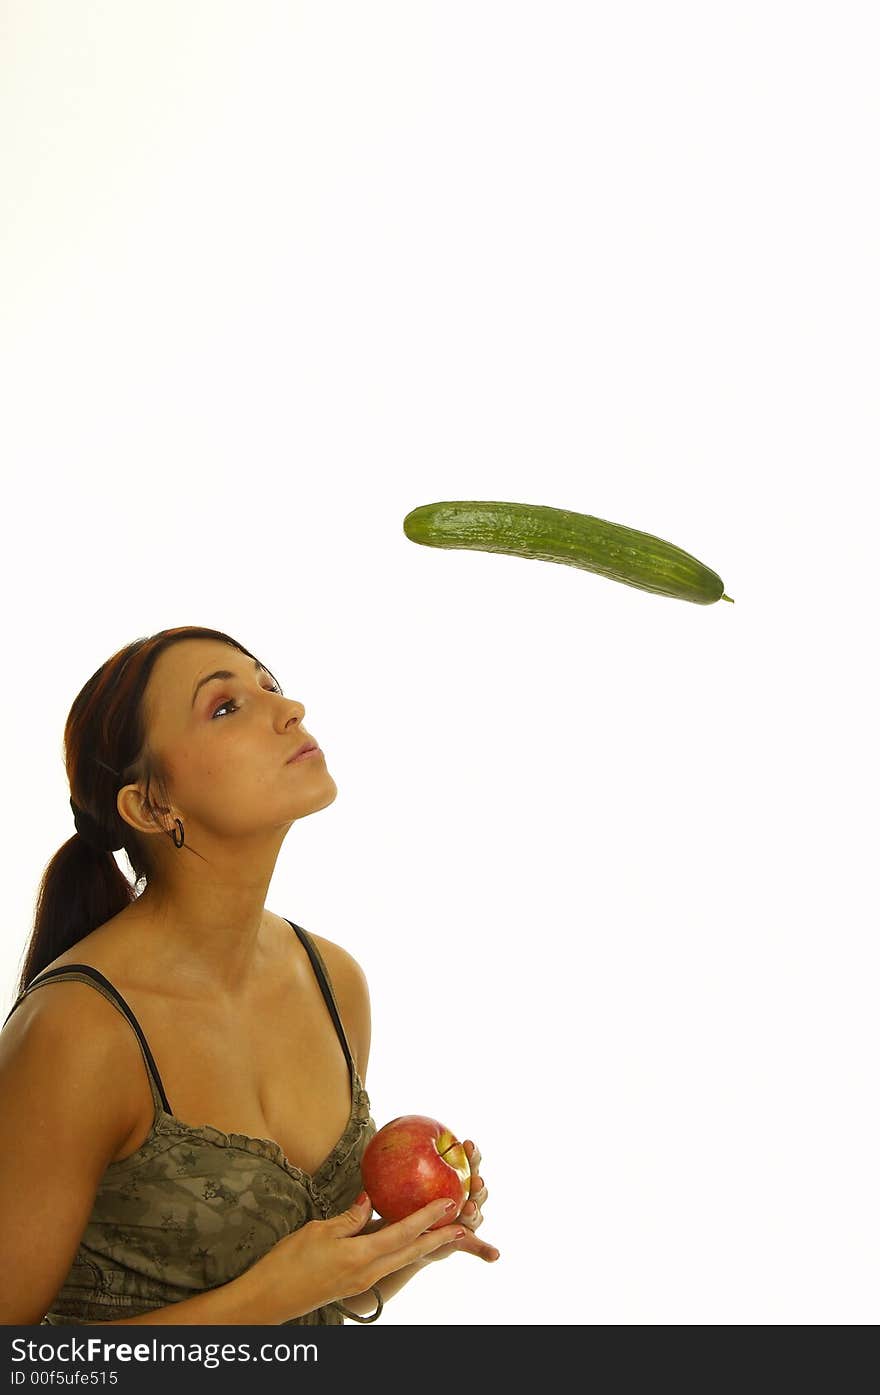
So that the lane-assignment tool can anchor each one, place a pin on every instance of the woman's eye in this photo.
(227, 702)
(231, 703)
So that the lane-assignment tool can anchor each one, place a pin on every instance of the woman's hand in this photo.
(330, 1260)
(470, 1216)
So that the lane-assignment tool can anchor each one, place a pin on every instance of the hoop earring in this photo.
(174, 834)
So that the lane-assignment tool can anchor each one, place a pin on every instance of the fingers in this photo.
(473, 1155)
(478, 1191)
(355, 1217)
(471, 1212)
(404, 1241)
(475, 1202)
(472, 1245)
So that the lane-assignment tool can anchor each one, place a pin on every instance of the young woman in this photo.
(235, 1197)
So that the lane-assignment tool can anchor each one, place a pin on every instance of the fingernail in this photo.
(459, 1234)
(361, 1199)
(450, 1206)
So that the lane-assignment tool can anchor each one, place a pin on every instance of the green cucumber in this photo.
(574, 539)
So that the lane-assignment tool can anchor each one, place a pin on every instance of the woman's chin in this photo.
(327, 793)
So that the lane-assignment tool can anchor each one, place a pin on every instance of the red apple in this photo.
(412, 1161)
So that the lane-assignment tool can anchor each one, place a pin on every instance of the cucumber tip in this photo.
(728, 598)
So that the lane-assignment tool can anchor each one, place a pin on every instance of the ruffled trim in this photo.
(268, 1148)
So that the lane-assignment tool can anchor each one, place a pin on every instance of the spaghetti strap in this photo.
(84, 973)
(326, 987)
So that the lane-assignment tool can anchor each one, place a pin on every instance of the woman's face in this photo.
(226, 744)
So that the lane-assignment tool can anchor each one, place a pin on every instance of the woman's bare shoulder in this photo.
(340, 961)
(351, 989)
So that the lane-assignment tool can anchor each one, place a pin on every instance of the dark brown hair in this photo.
(106, 746)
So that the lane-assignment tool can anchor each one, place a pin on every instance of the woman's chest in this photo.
(275, 1070)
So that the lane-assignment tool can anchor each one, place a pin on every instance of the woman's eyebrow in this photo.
(224, 673)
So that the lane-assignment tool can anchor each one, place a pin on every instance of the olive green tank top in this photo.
(194, 1207)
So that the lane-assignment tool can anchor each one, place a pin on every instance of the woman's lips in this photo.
(304, 755)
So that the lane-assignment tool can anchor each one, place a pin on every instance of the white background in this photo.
(273, 274)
